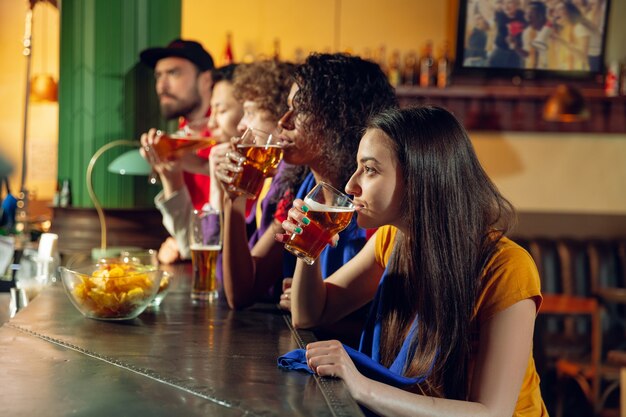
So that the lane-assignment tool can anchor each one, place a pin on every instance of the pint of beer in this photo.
(262, 152)
(330, 211)
(171, 146)
(205, 235)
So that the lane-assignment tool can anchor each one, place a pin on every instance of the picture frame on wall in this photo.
(532, 39)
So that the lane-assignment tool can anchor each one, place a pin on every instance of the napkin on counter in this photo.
(296, 361)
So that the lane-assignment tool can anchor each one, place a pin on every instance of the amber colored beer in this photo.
(171, 147)
(261, 162)
(204, 267)
(326, 222)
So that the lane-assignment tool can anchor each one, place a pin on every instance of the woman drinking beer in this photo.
(263, 88)
(454, 300)
(329, 103)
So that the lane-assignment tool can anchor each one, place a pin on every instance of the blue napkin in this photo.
(367, 358)
(296, 361)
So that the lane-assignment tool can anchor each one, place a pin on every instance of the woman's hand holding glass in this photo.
(296, 221)
(324, 212)
(226, 164)
(254, 158)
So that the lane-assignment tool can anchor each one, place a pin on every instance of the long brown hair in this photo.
(455, 216)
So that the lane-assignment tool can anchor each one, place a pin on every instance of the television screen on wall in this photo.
(532, 39)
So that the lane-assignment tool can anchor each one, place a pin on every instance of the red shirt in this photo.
(198, 184)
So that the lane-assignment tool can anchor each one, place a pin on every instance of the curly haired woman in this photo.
(329, 103)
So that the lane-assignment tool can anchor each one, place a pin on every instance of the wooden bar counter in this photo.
(178, 359)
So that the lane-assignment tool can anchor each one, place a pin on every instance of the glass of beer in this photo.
(205, 239)
(174, 145)
(262, 152)
(330, 211)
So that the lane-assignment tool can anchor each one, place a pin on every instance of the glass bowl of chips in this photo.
(112, 289)
(149, 257)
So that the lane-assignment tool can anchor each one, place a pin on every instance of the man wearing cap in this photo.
(184, 82)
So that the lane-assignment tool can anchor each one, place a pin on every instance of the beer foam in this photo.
(205, 247)
(315, 206)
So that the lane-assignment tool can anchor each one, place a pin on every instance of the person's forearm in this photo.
(172, 183)
(308, 295)
(389, 401)
(237, 262)
(176, 211)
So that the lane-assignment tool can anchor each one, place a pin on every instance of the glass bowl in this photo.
(111, 290)
(149, 257)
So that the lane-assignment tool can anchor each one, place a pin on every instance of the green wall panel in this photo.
(105, 93)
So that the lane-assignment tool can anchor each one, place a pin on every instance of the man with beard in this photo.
(183, 74)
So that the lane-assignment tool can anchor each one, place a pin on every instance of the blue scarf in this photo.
(367, 358)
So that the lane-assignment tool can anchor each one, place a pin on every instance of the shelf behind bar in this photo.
(516, 108)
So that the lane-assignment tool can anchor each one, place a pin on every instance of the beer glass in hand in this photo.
(167, 147)
(191, 137)
(258, 155)
(205, 240)
(329, 212)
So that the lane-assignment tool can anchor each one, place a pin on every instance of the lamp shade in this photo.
(566, 105)
(130, 163)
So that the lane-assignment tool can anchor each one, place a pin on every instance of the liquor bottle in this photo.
(228, 50)
(367, 55)
(276, 53)
(298, 56)
(410, 72)
(622, 80)
(66, 194)
(381, 59)
(443, 68)
(56, 199)
(394, 75)
(427, 66)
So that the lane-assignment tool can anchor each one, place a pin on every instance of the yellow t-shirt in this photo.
(510, 276)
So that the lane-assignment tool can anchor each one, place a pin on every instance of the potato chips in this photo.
(114, 290)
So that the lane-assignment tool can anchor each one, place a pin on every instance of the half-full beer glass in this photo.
(262, 152)
(205, 235)
(330, 211)
(174, 145)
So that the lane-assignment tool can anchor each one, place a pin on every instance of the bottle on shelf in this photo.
(380, 58)
(427, 66)
(410, 73)
(611, 81)
(443, 68)
(276, 53)
(227, 57)
(56, 199)
(65, 199)
(622, 80)
(394, 74)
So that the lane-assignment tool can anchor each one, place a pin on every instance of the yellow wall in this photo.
(43, 123)
(583, 173)
(538, 172)
(320, 25)
(577, 173)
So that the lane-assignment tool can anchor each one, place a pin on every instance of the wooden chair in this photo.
(602, 268)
